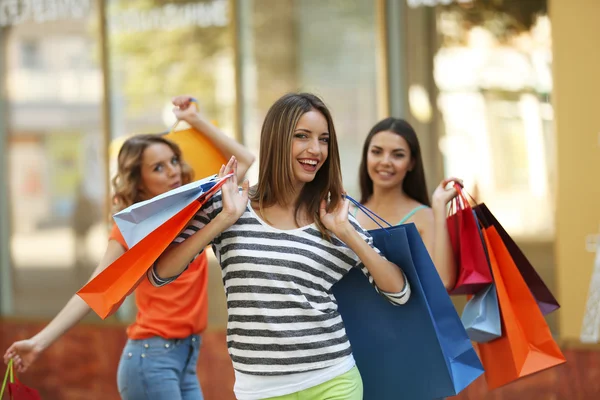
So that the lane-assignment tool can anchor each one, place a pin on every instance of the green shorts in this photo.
(347, 386)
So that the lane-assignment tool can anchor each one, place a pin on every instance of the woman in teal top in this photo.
(392, 184)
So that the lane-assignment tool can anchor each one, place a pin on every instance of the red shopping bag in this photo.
(474, 272)
(17, 390)
(107, 290)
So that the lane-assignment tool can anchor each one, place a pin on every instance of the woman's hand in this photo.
(234, 201)
(186, 108)
(336, 220)
(23, 353)
(442, 195)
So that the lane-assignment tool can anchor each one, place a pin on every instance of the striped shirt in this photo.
(283, 317)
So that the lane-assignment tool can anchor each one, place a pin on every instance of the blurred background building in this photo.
(502, 93)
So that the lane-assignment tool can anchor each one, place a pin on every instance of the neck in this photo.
(286, 200)
(292, 198)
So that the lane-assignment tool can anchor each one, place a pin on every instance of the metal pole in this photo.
(6, 289)
(106, 92)
(395, 14)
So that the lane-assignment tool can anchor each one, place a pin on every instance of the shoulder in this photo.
(116, 236)
(424, 219)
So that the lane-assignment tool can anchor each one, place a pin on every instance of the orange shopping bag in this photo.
(199, 152)
(107, 290)
(526, 346)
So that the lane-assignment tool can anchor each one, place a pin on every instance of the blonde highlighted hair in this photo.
(128, 180)
(275, 176)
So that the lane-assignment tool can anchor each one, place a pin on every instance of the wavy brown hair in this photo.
(275, 174)
(414, 184)
(127, 181)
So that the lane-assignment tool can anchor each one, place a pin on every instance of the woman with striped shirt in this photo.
(281, 246)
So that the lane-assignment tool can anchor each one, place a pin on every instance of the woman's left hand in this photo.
(336, 220)
(442, 195)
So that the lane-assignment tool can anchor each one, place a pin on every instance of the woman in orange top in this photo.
(159, 360)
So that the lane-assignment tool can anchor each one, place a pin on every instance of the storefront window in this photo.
(160, 49)
(493, 71)
(53, 145)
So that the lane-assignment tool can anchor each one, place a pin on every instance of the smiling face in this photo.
(160, 170)
(388, 159)
(310, 146)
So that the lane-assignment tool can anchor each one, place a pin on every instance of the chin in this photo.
(305, 179)
(386, 184)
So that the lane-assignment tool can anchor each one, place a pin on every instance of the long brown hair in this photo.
(275, 174)
(414, 184)
(127, 181)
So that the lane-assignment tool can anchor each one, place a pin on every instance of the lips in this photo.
(385, 173)
(175, 185)
(309, 164)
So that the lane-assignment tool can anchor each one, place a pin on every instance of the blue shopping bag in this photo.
(417, 351)
(481, 316)
(138, 220)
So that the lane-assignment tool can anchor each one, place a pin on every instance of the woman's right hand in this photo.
(234, 201)
(23, 353)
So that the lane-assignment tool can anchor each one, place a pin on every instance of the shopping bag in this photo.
(418, 350)
(473, 269)
(198, 152)
(106, 291)
(526, 346)
(545, 299)
(16, 390)
(481, 316)
(138, 220)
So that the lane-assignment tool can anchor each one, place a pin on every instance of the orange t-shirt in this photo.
(173, 311)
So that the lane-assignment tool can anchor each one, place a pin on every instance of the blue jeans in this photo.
(160, 369)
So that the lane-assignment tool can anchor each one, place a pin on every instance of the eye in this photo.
(324, 139)
(175, 160)
(159, 168)
(399, 155)
(375, 151)
(300, 135)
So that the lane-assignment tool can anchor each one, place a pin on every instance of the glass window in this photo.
(54, 154)
(493, 70)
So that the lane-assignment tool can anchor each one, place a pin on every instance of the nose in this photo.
(172, 170)
(314, 148)
(386, 159)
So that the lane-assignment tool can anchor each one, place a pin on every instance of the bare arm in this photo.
(434, 232)
(25, 352)
(226, 145)
(387, 276)
(177, 256)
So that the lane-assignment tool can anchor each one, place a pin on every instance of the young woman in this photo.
(281, 248)
(160, 357)
(392, 184)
